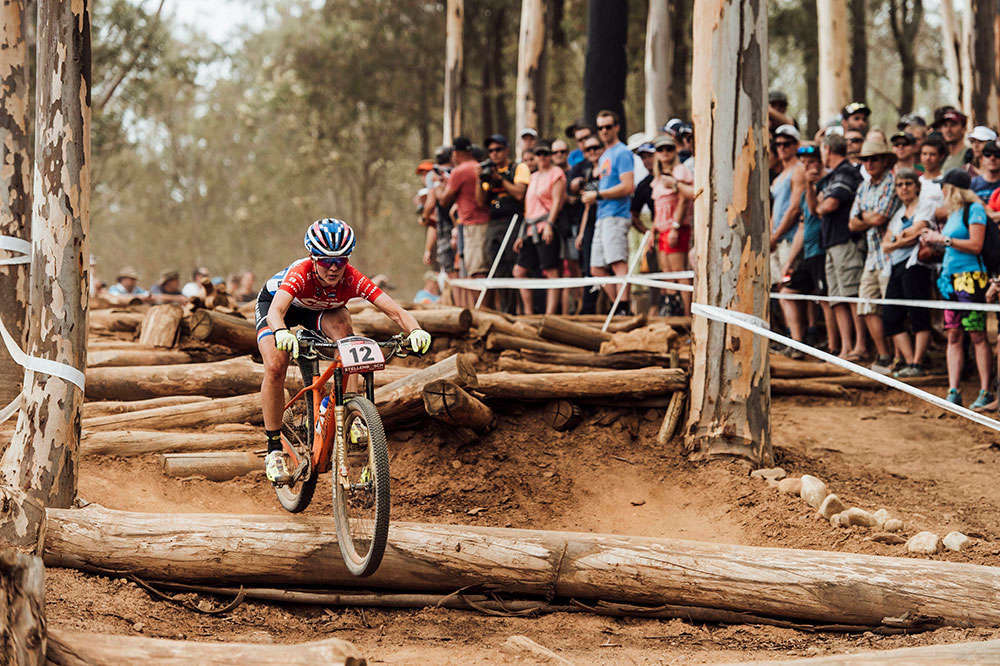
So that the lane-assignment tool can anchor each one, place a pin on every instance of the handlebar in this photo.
(311, 342)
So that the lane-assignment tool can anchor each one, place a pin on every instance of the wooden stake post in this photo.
(530, 93)
(730, 391)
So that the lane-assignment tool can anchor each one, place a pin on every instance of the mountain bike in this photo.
(343, 432)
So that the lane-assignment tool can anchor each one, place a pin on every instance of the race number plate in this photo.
(360, 354)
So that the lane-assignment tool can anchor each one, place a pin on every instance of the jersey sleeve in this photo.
(359, 286)
(295, 280)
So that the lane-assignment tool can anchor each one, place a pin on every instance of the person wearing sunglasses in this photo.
(581, 217)
(785, 189)
(313, 293)
(673, 212)
(538, 247)
(987, 183)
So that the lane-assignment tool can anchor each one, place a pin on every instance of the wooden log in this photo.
(503, 341)
(439, 321)
(980, 653)
(485, 323)
(220, 410)
(269, 550)
(571, 333)
(597, 384)
(85, 648)
(562, 415)
(212, 465)
(114, 321)
(806, 387)
(141, 442)
(114, 358)
(446, 401)
(622, 324)
(94, 409)
(219, 379)
(403, 400)
(162, 325)
(512, 364)
(98, 344)
(672, 418)
(22, 608)
(786, 368)
(623, 361)
(222, 329)
(859, 382)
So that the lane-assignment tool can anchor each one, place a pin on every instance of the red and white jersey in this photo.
(307, 292)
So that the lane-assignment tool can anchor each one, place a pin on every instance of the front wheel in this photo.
(297, 431)
(361, 488)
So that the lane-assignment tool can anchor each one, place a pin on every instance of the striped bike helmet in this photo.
(329, 237)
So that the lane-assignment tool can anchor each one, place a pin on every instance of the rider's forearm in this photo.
(392, 310)
(276, 313)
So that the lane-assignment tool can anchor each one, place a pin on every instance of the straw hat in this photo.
(876, 147)
(128, 272)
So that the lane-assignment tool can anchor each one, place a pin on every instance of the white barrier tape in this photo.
(562, 283)
(17, 245)
(10, 409)
(633, 262)
(739, 319)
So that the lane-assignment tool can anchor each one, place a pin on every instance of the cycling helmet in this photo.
(329, 237)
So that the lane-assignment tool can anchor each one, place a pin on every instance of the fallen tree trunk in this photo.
(859, 382)
(806, 387)
(623, 361)
(219, 379)
(140, 442)
(786, 368)
(212, 465)
(115, 321)
(116, 358)
(222, 329)
(22, 608)
(595, 384)
(220, 410)
(162, 325)
(439, 321)
(503, 341)
(273, 550)
(568, 332)
(403, 400)
(490, 322)
(94, 409)
(513, 364)
(446, 401)
(85, 648)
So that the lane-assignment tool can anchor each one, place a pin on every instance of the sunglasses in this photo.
(601, 128)
(666, 149)
(331, 262)
(906, 183)
(991, 153)
(784, 144)
(590, 149)
(559, 152)
(900, 144)
(870, 158)
(496, 150)
(542, 153)
(808, 151)
(855, 140)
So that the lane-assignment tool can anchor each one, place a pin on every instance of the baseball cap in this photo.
(462, 143)
(528, 131)
(645, 148)
(907, 138)
(788, 130)
(495, 138)
(167, 276)
(636, 140)
(945, 114)
(855, 107)
(671, 126)
(128, 272)
(957, 177)
(685, 128)
(777, 96)
(424, 167)
(664, 140)
(981, 133)
(910, 119)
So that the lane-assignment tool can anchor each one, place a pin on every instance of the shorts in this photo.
(844, 264)
(445, 252)
(969, 287)
(913, 283)
(569, 251)
(683, 241)
(809, 277)
(610, 244)
(779, 259)
(295, 316)
(539, 256)
(474, 249)
(495, 232)
(873, 285)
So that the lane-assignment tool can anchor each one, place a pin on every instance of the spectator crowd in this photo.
(856, 213)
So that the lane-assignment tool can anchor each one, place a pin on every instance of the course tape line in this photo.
(562, 283)
(33, 363)
(753, 325)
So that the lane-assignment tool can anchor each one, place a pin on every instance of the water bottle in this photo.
(323, 405)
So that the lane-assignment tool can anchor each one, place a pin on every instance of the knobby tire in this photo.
(298, 425)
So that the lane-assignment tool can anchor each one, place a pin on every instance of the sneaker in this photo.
(909, 371)
(954, 397)
(276, 468)
(984, 398)
(882, 365)
(358, 434)
(897, 365)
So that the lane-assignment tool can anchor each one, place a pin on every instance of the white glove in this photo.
(420, 341)
(285, 341)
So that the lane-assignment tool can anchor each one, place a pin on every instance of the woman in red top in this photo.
(673, 210)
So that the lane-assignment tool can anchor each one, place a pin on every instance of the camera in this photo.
(486, 170)
(441, 169)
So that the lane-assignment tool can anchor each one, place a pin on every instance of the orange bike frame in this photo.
(321, 448)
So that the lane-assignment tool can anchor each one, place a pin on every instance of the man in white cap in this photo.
(529, 137)
(978, 137)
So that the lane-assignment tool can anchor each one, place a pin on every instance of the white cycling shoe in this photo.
(276, 468)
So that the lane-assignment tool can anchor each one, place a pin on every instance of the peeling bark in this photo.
(22, 608)
(42, 457)
(730, 386)
(453, 70)
(15, 185)
(531, 60)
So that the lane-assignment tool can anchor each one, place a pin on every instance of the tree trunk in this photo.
(730, 394)
(161, 325)
(219, 379)
(782, 366)
(440, 321)
(834, 86)
(594, 384)
(212, 465)
(571, 333)
(403, 400)
(815, 586)
(606, 64)
(446, 401)
(562, 415)
(859, 50)
(94, 409)
(119, 358)
(983, 91)
(22, 608)
(488, 322)
(42, 456)
(966, 59)
(810, 62)
(950, 44)
(15, 181)
(502, 341)
(907, 81)
(623, 361)
(455, 13)
(498, 63)
(237, 333)
(123, 443)
(806, 387)
(514, 364)
(85, 648)
(530, 96)
(114, 321)
(658, 65)
(680, 91)
(240, 409)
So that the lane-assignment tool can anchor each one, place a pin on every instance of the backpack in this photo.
(989, 256)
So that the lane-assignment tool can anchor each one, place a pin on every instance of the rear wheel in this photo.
(361, 489)
(297, 431)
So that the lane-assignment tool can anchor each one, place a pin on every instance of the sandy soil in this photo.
(608, 475)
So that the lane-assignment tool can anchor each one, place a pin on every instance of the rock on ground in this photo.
(769, 473)
(830, 506)
(924, 543)
(813, 491)
(881, 516)
(887, 538)
(893, 525)
(955, 541)
(791, 486)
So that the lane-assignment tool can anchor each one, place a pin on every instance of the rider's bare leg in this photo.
(272, 387)
(336, 324)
